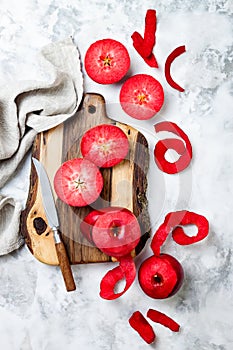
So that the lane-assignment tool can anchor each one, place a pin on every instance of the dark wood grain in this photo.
(140, 203)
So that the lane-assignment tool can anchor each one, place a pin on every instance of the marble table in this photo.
(36, 313)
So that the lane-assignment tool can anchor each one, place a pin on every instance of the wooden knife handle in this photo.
(65, 267)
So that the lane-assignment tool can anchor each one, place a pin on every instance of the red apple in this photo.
(141, 96)
(107, 61)
(78, 182)
(87, 224)
(105, 145)
(160, 276)
(117, 232)
(89, 220)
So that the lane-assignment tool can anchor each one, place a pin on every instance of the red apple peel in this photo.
(184, 150)
(126, 269)
(149, 33)
(138, 45)
(159, 317)
(144, 46)
(138, 322)
(174, 219)
(174, 54)
(200, 221)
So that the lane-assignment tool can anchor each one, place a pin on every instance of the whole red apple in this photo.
(116, 232)
(89, 221)
(160, 276)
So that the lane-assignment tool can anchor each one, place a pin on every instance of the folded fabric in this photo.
(9, 225)
(26, 108)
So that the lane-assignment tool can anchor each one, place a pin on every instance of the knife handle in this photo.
(65, 267)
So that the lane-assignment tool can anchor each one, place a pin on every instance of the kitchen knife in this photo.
(53, 221)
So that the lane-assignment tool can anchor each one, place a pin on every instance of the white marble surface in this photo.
(35, 311)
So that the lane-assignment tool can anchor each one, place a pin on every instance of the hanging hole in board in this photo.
(91, 109)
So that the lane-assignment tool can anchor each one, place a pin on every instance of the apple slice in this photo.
(160, 276)
(107, 61)
(141, 96)
(105, 145)
(117, 232)
(78, 182)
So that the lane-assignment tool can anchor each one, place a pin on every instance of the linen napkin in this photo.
(26, 108)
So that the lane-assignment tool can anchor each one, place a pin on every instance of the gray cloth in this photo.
(26, 108)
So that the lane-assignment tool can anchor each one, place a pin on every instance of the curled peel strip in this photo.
(172, 224)
(126, 269)
(184, 150)
(173, 55)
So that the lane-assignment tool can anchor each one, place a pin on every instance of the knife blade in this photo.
(53, 221)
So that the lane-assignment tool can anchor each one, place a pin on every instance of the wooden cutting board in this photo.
(125, 185)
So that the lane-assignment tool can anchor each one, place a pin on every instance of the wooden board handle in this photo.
(65, 267)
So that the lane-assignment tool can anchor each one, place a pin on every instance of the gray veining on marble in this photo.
(35, 311)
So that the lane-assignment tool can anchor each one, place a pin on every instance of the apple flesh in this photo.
(78, 182)
(107, 61)
(160, 276)
(105, 145)
(141, 96)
